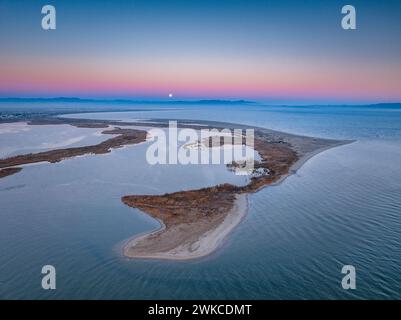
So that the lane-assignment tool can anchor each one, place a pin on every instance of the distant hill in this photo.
(392, 105)
(64, 99)
(388, 105)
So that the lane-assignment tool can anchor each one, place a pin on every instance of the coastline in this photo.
(211, 240)
(206, 244)
(304, 159)
(120, 138)
(193, 223)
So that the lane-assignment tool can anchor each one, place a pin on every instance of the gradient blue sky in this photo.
(263, 50)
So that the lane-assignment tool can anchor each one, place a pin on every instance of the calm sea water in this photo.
(21, 138)
(342, 207)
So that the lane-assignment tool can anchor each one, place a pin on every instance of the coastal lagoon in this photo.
(343, 206)
(20, 138)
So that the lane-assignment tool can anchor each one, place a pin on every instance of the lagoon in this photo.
(342, 207)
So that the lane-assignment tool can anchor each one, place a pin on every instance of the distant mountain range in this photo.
(64, 99)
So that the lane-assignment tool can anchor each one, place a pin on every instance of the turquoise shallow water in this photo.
(342, 207)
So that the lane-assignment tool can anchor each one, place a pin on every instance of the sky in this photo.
(277, 51)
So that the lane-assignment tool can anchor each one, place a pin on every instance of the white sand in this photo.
(207, 243)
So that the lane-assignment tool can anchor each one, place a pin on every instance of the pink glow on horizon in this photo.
(279, 77)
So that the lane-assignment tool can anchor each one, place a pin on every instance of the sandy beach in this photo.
(174, 243)
(198, 245)
(196, 222)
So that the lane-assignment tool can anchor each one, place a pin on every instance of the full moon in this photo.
(170, 95)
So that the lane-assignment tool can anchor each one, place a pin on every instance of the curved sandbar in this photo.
(124, 137)
(195, 222)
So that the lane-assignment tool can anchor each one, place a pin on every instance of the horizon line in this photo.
(171, 100)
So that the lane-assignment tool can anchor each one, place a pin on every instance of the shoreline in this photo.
(206, 244)
(300, 162)
(120, 138)
(193, 223)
